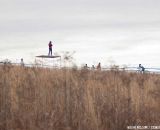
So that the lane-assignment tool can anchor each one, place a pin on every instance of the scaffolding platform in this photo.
(46, 56)
(43, 57)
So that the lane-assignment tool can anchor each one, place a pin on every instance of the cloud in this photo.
(95, 28)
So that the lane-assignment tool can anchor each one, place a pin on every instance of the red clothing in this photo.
(50, 45)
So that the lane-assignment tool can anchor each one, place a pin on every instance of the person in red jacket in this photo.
(50, 48)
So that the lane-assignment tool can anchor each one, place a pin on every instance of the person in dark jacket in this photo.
(50, 48)
(99, 66)
(22, 62)
(142, 68)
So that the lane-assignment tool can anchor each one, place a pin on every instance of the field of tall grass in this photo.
(70, 99)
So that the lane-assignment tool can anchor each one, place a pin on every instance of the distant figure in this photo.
(99, 66)
(86, 66)
(93, 68)
(50, 48)
(142, 68)
(22, 63)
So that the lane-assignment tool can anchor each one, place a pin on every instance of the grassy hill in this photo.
(62, 99)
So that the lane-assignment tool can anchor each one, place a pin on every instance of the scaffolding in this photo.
(43, 57)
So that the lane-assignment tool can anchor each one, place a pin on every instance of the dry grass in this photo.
(45, 99)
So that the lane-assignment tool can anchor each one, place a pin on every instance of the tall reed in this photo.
(70, 99)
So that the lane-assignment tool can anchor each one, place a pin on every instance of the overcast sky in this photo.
(123, 31)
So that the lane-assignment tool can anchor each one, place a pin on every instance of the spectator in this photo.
(93, 68)
(86, 66)
(142, 68)
(22, 63)
(50, 48)
(99, 66)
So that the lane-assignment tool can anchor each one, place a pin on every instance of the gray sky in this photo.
(123, 31)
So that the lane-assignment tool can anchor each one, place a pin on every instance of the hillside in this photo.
(62, 99)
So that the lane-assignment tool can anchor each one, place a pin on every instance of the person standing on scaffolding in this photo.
(50, 48)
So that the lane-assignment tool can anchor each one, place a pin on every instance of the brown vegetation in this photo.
(53, 99)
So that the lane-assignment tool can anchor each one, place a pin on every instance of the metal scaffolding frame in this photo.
(50, 57)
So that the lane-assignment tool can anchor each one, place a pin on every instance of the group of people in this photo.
(98, 67)
(93, 67)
